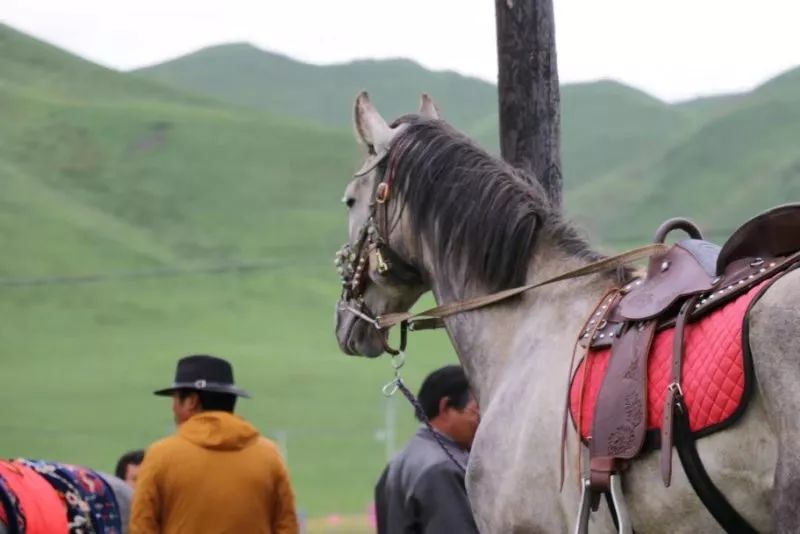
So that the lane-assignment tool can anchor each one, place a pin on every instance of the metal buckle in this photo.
(675, 388)
(382, 267)
(382, 193)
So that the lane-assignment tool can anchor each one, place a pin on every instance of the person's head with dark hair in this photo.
(208, 401)
(447, 402)
(202, 384)
(128, 466)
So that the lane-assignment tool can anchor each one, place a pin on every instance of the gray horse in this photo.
(462, 223)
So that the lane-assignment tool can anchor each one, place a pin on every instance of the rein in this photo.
(424, 318)
(397, 384)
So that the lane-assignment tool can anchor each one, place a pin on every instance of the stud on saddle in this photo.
(687, 283)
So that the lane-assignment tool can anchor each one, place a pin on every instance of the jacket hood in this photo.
(219, 431)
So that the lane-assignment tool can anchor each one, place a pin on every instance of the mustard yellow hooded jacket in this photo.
(215, 475)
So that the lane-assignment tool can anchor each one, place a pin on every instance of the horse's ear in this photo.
(370, 127)
(427, 108)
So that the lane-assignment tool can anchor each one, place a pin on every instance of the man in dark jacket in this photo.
(422, 489)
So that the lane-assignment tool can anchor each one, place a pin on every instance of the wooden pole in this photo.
(528, 92)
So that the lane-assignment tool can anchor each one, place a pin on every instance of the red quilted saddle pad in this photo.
(714, 370)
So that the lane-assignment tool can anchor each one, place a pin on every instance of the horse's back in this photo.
(774, 335)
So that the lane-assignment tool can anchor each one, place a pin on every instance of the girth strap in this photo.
(713, 499)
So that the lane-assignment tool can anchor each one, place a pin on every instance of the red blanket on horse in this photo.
(36, 503)
(715, 372)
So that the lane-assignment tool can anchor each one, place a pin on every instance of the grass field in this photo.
(350, 524)
(80, 363)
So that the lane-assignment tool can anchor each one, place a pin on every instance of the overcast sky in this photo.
(673, 49)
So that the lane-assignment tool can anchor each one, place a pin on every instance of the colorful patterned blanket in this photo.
(91, 505)
(29, 504)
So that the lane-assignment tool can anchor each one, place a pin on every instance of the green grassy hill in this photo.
(604, 123)
(247, 76)
(741, 160)
(171, 165)
(618, 143)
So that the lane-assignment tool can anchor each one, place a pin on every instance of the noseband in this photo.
(371, 251)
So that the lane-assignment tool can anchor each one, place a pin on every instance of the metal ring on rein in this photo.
(398, 361)
(391, 388)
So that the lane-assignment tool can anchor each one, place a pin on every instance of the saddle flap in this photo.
(771, 234)
(685, 269)
(620, 418)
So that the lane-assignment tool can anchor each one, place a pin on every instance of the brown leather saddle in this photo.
(690, 280)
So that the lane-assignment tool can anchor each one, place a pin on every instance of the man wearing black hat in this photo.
(216, 473)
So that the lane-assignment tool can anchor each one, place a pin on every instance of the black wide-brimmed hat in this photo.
(204, 373)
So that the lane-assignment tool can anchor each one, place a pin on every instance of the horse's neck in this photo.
(487, 339)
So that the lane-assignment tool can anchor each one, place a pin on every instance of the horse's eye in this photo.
(349, 201)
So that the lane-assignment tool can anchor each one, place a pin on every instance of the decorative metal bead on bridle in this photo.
(351, 264)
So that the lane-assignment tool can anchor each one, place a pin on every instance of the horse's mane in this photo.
(482, 214)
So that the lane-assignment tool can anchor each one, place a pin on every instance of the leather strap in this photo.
(609, 299)
(403, 340)
(674, 390)
(620, 418)
(714, 501)
(600, 470)
(452, 308)
(425, 324)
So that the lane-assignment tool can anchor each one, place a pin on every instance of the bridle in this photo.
(371, 251)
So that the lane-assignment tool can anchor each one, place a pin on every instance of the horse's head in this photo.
(378, 267)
